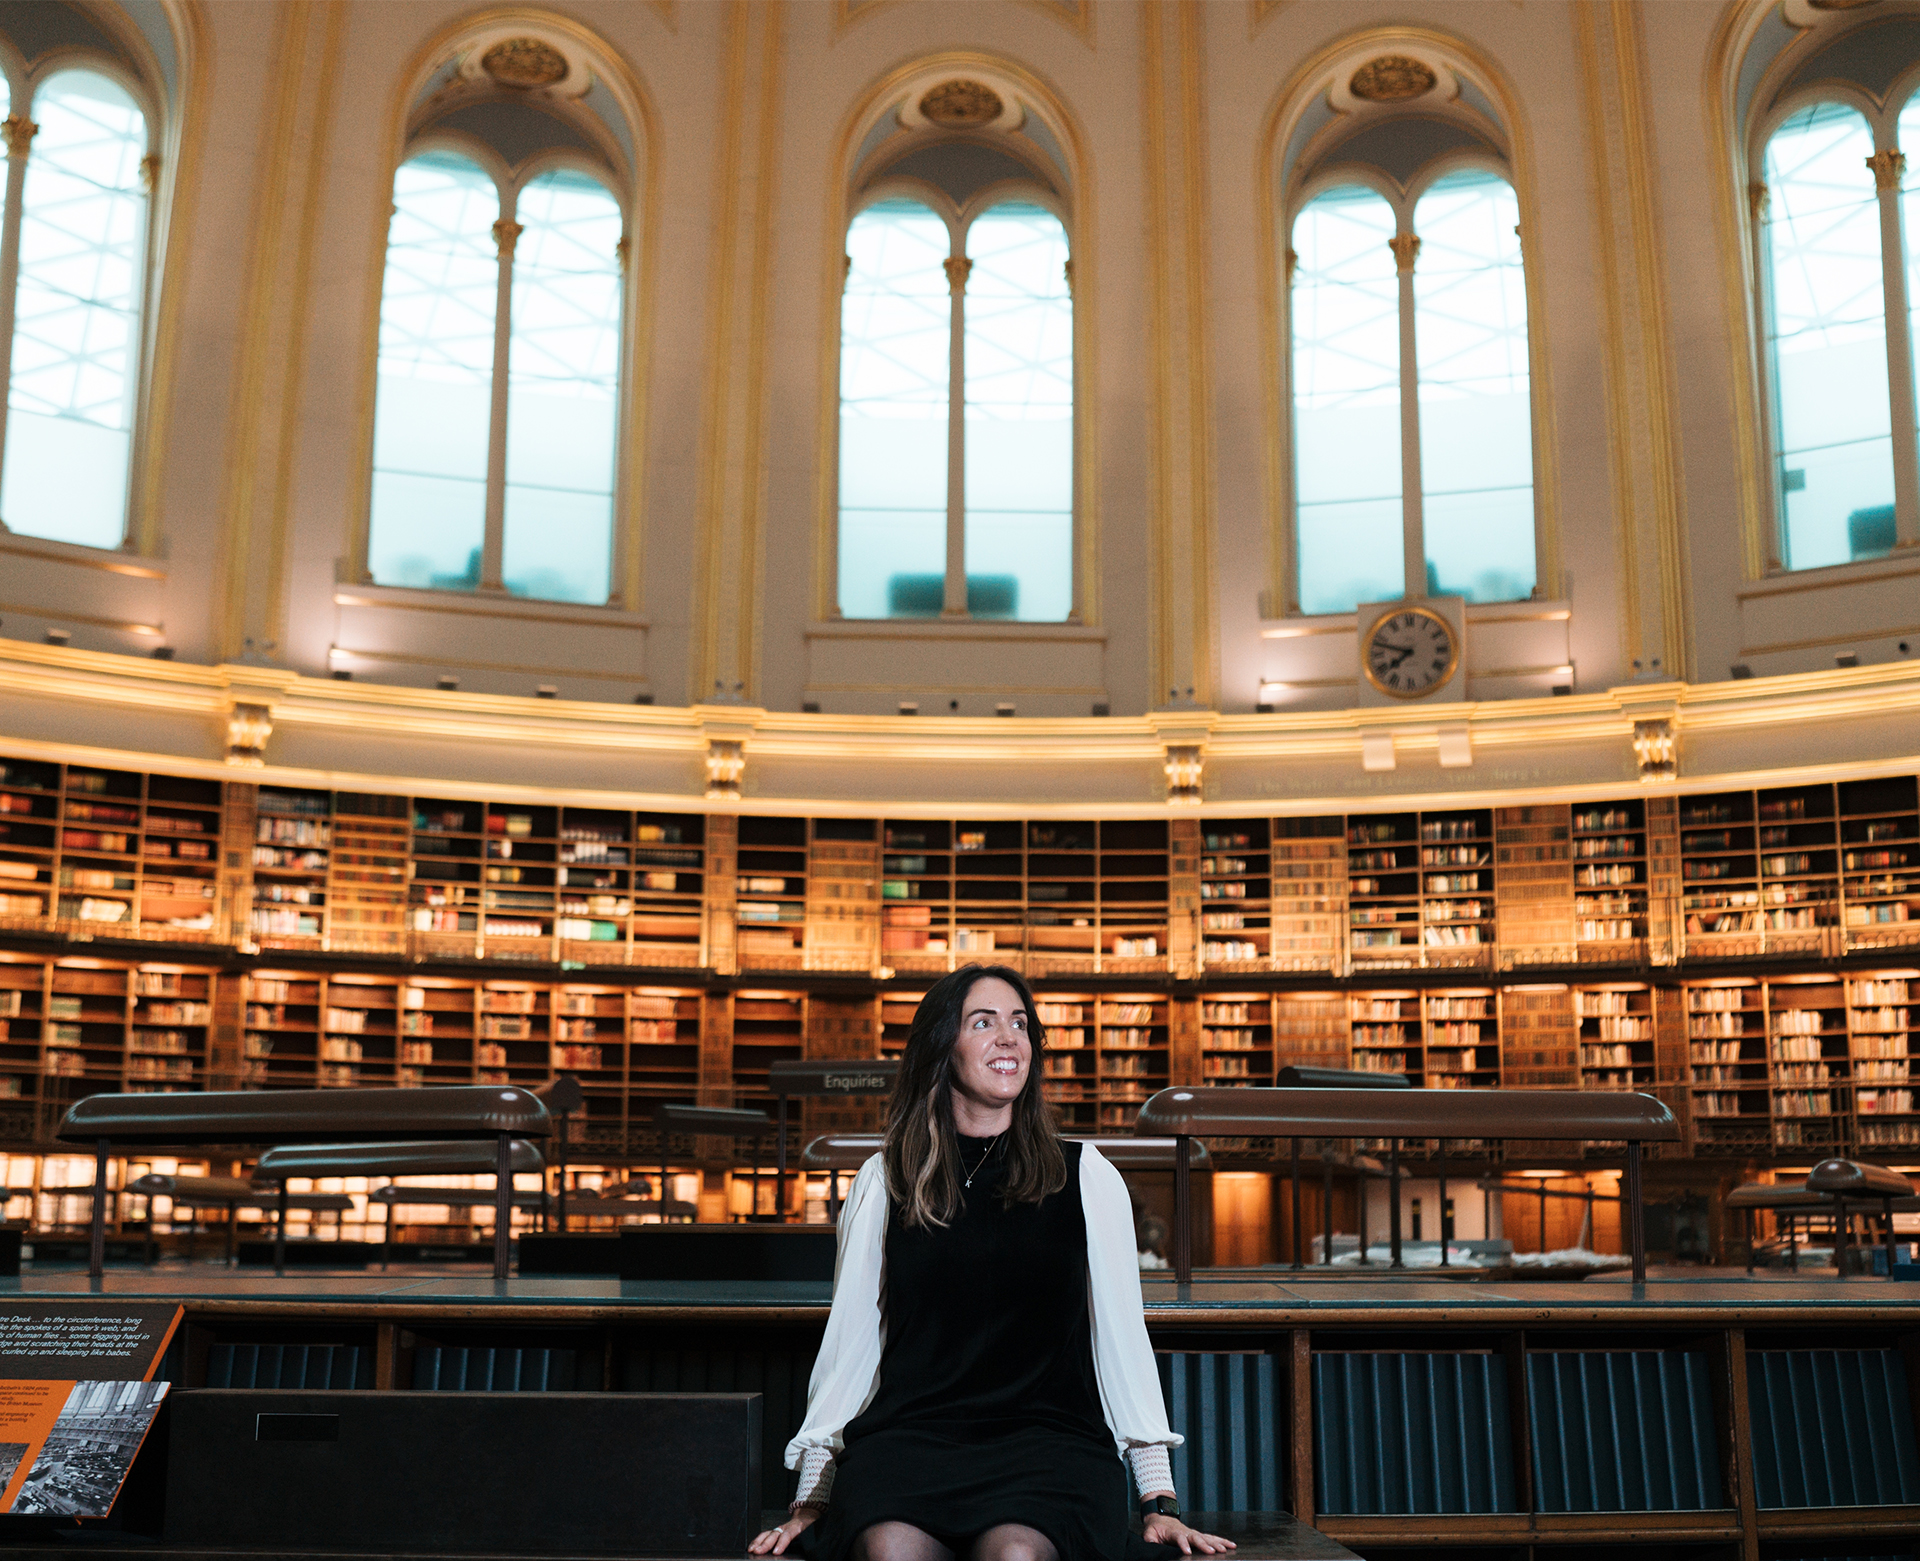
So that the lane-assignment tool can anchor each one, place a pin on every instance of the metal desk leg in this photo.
(280, 1231)
(1842, 1229)
(1326, 1201)
(1440, 1213)
(1393, 1203)
(1636, 1215)
(97, 1242)
(1182, 1210)
(502, 1205)
(779, 1169)
(1293, 1177)
(386, 1234)
(1360, 1193)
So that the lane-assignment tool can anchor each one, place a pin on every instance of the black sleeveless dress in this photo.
(987, 1409)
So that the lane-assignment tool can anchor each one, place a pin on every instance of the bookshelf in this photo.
(843, 896)
(1882, 1023)
(770, 908)
(292, 857)
(1386, 1033)
(281, 1043)
(1462, 1038)
(1063, 932)
(1236, 1039)
(1616, 1036)
(916, 896)
(896, 1021)
(1880, 862)
(768, 1027)
(1610, 882)
(1457, 888)
(1383, 889)
(989, 892)
(1729, 1096)
(1308, 857)
(1720, 873)
(1808, 1056)
(367, 878)
(1236, 894)
(1135, 902)
(1070, 1066)
(1536, 893)
(1133, 1056)
(1540, 1037)
(1312, 1030)
(1799, 868)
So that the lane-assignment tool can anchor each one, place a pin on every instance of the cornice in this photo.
(949, 761)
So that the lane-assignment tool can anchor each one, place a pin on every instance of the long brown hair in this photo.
(922, 1151)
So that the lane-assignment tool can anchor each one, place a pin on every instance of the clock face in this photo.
(1410, 653)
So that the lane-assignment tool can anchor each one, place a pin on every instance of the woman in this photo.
(987, 1351)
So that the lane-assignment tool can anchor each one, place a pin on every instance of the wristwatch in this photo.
(1160, 1506)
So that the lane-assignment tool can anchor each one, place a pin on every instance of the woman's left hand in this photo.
(1163, 1530)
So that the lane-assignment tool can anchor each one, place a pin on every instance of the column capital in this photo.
(1888, 165)
(505, 235)
(20, 132)
(957, 269)
(1406, 249)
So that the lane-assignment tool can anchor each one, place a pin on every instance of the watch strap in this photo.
(1160, 1506)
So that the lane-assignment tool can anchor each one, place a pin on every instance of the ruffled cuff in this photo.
(1152, 1469)
(816, 1478)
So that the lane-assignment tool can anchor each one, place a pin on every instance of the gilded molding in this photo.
(1185, 769)
(248, 728)
(1656, 750)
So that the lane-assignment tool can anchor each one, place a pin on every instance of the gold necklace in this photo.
(985, 1156)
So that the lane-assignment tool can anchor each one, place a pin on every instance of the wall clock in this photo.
(1410, 652)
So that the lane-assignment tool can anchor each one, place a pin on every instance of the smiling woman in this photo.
(986, 1361)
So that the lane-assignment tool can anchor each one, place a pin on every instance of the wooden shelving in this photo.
(1070, 1068)
(1610, 881)
(1880, 862)
(1236, 896)
(1236, 1039)
(1616, 1036)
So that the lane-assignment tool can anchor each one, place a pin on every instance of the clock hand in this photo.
(1404, 650)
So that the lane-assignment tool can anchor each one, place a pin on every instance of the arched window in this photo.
(1830, 109)
(1410, 338)
(73, 285)
(956, 454)
(495, 447)
(1830, 338)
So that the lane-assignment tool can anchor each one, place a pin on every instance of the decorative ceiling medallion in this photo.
(962, 105)
(1392, 78)
(524, 62)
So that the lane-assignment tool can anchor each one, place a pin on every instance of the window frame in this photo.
(958, 217)
(1404, 201)
(509, 180)
(23, 90)
(1897, 248)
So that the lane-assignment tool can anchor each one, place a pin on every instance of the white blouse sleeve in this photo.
(847, 1370)
(1122, 1357)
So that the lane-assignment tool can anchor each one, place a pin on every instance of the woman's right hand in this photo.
(774, 1541)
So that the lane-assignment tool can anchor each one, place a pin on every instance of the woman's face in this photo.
(994, 1053)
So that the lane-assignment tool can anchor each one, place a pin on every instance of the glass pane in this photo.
(1346, 402)
(1909, 136)
(1019, 362)
(1828, 338)
(76, 335)
(895, 330)
(562, 390)
(433, 403)
(1476, 418)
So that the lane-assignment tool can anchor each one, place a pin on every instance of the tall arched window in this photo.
(494, 460)
(956, 454)
(73, 284)
(1413, 426)
(1838, 335)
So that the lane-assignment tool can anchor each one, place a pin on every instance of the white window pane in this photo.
(1828, 337)
(1346, 402)
(433, 402)
(563, 390)
(1476, 420)
(1879, 537)
(895, 329)
(76, 328)
(1019, 410)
